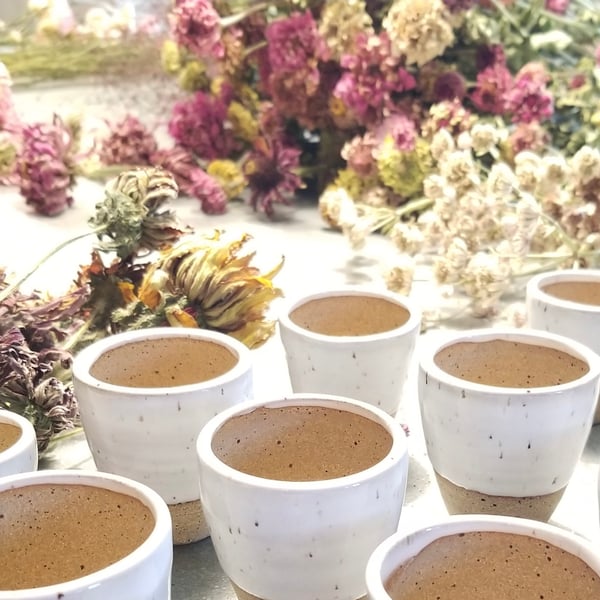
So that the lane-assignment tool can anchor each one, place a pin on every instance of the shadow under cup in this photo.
(506, 415)
(298, 492)
(144, 396)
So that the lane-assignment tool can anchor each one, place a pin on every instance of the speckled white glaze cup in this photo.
(371, 367)
(574, 319)
(17, 455)
(301, 539)
(402, 547)
(149, 433)
(505, 450)
(143, 574)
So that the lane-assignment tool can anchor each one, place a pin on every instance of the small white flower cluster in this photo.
(488, 223)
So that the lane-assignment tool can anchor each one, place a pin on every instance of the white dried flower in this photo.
(485, 138)
(335, 201)
(407, 238)
(501, 181)
(460, 170)
(586, 164)
(528, 169)
(399, 278)
(485, 278)
(358, 232)
(376, 196)
(464, 141)
(457, 255)
(555, 170)
(529, 212)
(516, 314)
(441, 144)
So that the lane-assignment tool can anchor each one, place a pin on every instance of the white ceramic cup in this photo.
(572, 318)
(505, 450)
(403, 546)
(301, 539)
(369, 367)
(149, 433)
(143, 574)
(21, 455)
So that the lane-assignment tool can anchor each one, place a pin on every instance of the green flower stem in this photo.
(14, 286)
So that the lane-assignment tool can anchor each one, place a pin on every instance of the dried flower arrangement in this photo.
(145, 270)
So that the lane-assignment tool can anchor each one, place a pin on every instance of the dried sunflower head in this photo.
(206, 282)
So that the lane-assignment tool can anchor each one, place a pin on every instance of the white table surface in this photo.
(314, 256)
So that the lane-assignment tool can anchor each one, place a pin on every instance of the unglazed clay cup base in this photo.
(459, 500)
(189, 524)
(242, 595)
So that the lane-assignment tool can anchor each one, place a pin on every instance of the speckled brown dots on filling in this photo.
(507, 363)
(57, 532)
(469, 566)
(301, 443)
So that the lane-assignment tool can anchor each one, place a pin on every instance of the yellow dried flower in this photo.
(403, 172)
(229, 175)
(170, 57)
(243, 123)
(353, 183)
(193, 76)
(223, 290)
(341, 21)
(248, 96)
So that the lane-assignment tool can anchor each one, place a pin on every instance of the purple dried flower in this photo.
(492, 85)
(196, 25)
(271, 173)
(129, 143)
(529, 100)
(180, 163)
(455, 6)
(209, 191)
(489, 55)
(199, 125)
(46, 167)
(448, 86)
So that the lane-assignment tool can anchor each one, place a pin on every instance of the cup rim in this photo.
(27, 439)
(413, 321)
(162, 526)
(527, 336)
(83, 360)
(385, 557)
(397, 452)
(534, 288)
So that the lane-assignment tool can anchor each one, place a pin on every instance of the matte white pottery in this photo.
(572, 319)
(315, 537)
(506, 441)
(22, 456)
(407, 543)
(145, 574)
(371, 368)
(149, 434)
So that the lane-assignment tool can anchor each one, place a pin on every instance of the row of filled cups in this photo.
(302, 495)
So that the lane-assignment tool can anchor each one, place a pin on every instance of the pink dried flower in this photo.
(209, 191)
(9, 121)
(199, 125)
(295, 42)
(196, 25)
(271, 173)
(528, 136)
(46, 167)
(489, 55)
(557, 6)
(401, 129)
(529, 99)
(493, 83)
(370, 77)
(597, 55)
(129, 143)
(358, 153)
(455, 6)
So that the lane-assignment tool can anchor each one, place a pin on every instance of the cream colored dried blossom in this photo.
(443, 271)
(376, 197)
(528, 170)
(515, 314)
(433, 228)
(341, 21)
(586, 164)
(457, 254)
(357, 232)
(485, 278)
(407, 238)
(485, 138)
(331, 203)
(528, 213)
(460, 170)
(442, 144)
(399, 278)
(555, 169)
(435, 187)
(419, 29)
(501, 181)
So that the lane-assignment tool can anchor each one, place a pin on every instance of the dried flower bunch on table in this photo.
(145, 270)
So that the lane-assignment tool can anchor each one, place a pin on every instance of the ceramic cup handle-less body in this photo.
(22, 455)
